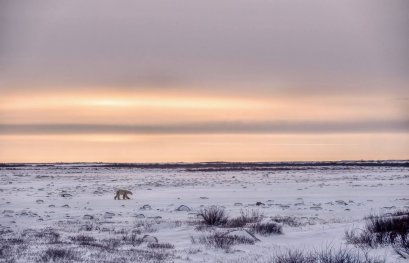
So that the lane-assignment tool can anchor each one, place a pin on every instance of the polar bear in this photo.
(124, 194)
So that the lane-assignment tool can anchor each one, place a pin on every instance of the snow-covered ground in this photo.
(324, 201)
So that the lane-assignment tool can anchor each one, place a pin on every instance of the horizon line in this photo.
(215, 162)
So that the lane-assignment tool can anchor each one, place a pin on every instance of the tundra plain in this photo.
(67, 212)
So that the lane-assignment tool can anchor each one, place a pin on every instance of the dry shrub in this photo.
(213, 216)
(246, 217)
(221, 240)
(161, 245)
(381, 230)
(266, 229)
(59, 255)
(327, 255)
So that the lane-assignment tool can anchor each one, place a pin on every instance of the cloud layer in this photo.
(315, 45)
(210, 128)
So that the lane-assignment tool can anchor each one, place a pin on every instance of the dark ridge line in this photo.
(213, 166)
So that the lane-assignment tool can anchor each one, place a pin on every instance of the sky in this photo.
(189, 81)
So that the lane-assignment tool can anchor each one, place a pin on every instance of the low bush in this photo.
(221, 240)
(399, 213)
(6, 251)
(83, 239)
(294, 256)
(46, 235)
(328, 255)
(381, 230)
(402, 249)
(213, 216)
(344, 255)
(287, 220)
(266, 229)
(161, 245)
(390, 229)
(246, 217)
(22, 247)
(132, 239)
(110, 243)
(59, 255)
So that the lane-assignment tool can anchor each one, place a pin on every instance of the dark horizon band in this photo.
(210, 128)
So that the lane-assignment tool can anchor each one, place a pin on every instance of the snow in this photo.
(241, 234)
(325, 201)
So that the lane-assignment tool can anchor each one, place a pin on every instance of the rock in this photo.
(259, 203)
(341, 202)
(155, 217)
(241, 234)
(149, 239)
(66, 195)
(109, 215)
(146, 207)
(24, 213)
(86, 228)
(204, 197)
(183, 208)
(140, 216)
(43, 176)
(389, 207)
(87, 217)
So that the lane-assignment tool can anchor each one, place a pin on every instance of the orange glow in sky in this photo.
(187, 111)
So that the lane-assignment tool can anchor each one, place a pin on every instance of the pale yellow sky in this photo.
(141, 127)
(113, 107)
(196, 148)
